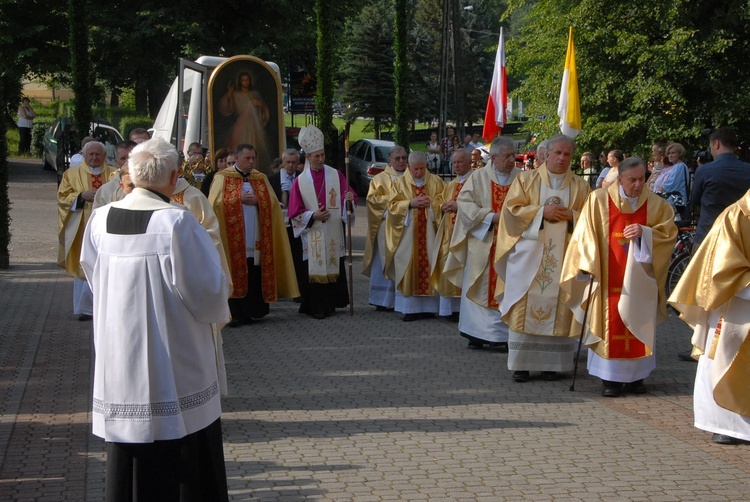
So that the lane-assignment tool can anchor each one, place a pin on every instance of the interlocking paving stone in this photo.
(362, 408)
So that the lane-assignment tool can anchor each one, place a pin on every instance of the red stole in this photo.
(179, 197)
(499, 192)
(420, 260)
(622, 344)
(235, 231)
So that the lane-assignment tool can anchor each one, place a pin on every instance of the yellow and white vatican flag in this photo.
(569, 108)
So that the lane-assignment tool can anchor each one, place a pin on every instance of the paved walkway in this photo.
(364, 408)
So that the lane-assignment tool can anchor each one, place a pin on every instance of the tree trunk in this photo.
(4, 199)
(400, 74)
(324, 95)
(81, 70)
(141, 97)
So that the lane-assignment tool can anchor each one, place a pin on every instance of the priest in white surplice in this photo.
(535, 224)
(624, 237)
(158, 286)
(382, 289)
(469, 264)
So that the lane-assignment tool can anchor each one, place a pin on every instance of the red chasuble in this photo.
(498, 198)
(621, 342)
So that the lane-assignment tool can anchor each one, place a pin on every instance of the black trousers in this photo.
(24, 140)
(251, 306)
(179, 470)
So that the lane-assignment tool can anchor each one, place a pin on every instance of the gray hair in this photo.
(464, 152)
(502, 143)
(560, 138)
(288, 152)
(152, 163)
(541, 150)
(394, 150)
(417, 157)
(630, 163)
(92, 144)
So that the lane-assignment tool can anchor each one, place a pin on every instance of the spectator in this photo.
(25, 124)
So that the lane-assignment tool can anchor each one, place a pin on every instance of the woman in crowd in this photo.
(609, 175)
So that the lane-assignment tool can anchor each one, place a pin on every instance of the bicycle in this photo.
(680, 257)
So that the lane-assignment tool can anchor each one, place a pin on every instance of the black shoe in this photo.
(636, 387)
(686, 356)
(380, 308)
(319, 315)
(426, 315)
(520, 376)
(454, 317)
(85, 317)
(549, 376)
(724, 439)
(411, 317)
(475, 344)
(611, 389)
(501, 347)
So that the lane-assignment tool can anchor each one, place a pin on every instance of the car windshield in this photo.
(382, 154)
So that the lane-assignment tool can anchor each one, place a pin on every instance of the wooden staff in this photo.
(349, 213)
(580, 338)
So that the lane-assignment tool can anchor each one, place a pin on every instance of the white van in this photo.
(183, 117)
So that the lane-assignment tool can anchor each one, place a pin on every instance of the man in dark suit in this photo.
(720, 183)
(716, 186)
(281, 182)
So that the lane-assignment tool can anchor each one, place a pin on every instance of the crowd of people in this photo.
(529, 262)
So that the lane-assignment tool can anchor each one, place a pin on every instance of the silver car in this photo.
(58, 150)
(367, 157)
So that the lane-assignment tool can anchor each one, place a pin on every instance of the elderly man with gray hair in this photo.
(472, 247)
(541, 154)
(158, 286)
(414, 211)
(75, 199)
(537, 219)
(382, 289)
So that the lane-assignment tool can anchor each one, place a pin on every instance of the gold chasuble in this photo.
(271, 242)
(529, 252)
(708, 290)
(628, 296)
(442, 243)
(470, 254)
(194, 201)
(377, 205)
(71, 223)
(410, 234)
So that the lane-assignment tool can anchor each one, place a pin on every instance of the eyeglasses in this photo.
(399, 158)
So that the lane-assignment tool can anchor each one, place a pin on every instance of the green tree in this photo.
(367, 68)
(666, 71)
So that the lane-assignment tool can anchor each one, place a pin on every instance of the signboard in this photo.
(302, 88)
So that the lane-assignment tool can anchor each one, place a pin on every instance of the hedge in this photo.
(127, 124)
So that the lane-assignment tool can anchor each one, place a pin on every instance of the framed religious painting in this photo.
(245, 107)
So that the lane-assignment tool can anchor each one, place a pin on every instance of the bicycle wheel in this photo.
(676, 269)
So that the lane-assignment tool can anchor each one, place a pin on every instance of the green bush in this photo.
(127, 124)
